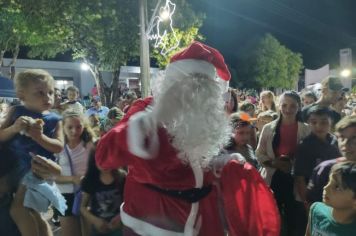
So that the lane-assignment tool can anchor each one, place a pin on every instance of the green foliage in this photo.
(106, 32)
(32, 23)
(271, 64)
(185, 37)
(103, 33)
(186, 24)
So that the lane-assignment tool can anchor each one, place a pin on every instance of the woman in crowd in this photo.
(231, 101)
(275, 152)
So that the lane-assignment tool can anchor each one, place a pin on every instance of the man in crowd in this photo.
(97, 108)
(331, 91)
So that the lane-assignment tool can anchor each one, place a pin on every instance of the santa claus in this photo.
(177, 184)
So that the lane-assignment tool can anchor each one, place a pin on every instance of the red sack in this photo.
(249, 205)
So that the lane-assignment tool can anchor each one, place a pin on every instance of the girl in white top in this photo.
(79, 140)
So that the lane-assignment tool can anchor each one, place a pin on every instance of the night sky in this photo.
(315, 28)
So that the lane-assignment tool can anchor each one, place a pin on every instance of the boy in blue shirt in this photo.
(337, 214)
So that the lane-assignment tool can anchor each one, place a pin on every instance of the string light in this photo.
(166, 13)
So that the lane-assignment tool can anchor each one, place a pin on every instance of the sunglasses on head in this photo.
(241, 124)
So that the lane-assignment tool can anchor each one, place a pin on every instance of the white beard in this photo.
(192, 110)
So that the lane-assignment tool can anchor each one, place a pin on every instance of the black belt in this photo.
(189, 195)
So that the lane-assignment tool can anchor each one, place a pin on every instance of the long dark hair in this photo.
(92, 174)
(277, 133)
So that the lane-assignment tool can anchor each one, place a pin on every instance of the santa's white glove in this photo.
(218, 162)
(142, 135)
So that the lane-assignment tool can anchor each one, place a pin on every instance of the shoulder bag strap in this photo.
(69, 159)
(70, 164)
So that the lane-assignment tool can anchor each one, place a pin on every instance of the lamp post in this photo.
(146, 28)
(345, 73)
(144, 51)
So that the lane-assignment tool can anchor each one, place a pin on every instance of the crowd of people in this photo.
(85, 162)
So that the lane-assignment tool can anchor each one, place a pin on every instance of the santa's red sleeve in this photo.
(249, 205)
(112, 149)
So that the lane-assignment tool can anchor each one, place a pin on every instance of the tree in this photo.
(271, 64)
(102, 33)
(186, 24)
(32, 24)
(185, 38)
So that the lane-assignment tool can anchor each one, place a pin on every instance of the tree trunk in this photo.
(100, 85)
(115, 92)
(15, 53)
(2, 53)
(108, 95)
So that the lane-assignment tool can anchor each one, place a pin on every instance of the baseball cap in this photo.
(333, 83)
(95, 99)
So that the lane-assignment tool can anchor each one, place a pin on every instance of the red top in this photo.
(288, 139)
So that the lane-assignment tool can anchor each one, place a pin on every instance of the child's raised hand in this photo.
(22, 123)
(35, 129)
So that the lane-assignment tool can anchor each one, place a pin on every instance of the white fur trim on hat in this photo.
(187, 67)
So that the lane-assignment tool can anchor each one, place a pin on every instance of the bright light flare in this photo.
(84, 66)
(345, 73)
(165, 14)
(160, 35)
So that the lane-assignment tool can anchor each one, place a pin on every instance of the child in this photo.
(72, 103)
(102, 190)
(318, 146)
(346, 133)
(79, 140)
(241, 136)
(113, 117)
(263, 118)
(267, 101)
(95, 122)
(32, 128)
(308, 98)
(337, 214)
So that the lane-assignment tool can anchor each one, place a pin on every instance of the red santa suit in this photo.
(163, 196)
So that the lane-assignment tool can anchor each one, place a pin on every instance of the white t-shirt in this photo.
(79, 156)
(77, 107)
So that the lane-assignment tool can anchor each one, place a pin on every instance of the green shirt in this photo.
(323, 224)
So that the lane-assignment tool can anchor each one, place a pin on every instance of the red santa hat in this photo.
(198, 58)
